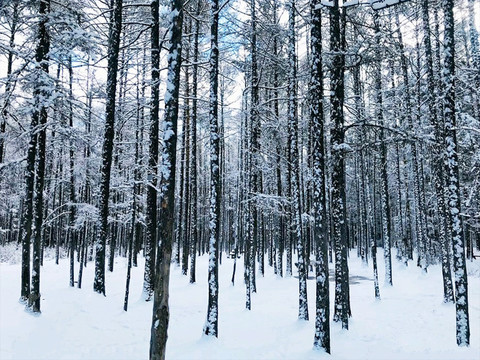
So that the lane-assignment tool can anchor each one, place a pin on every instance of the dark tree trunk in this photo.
(211, 325)
(71, 230)
(322, 313)
(252, 211)
(151, 211)
(160, 318)
(385, 209)
(113, 49)
(8, 84)
(42, 92)
(338, 167)
(459, 265)
(295, 166)
(39, 114)
(193, 155)
(185, 199)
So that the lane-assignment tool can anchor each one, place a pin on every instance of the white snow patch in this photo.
(410, 322)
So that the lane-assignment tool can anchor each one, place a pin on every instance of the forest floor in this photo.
(409, 322)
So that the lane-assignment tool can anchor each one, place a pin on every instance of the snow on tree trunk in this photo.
(8, 83)
(151, 210)
(193, 154)
(385, 213)
(211, 324)
(42, 95)
(295, 166)
(71, 232)
(459, 266)
(322, 313)
(113, 49)
(338, 167)
(160, 317)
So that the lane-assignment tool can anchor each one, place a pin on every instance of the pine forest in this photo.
(240, 179)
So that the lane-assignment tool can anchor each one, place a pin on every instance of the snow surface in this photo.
(409, 322)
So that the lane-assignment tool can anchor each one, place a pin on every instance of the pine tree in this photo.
(160, 318)
(151, 215)
(451, 144)
(211, 325)
(322, 317)
(113, 50)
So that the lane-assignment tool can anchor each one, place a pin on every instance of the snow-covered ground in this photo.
(409, 322)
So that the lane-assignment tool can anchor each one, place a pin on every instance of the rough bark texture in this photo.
(322, 313)
(338, 167)
(151, 211)
(113, 49)
(459, 266)
(296, 225)
(160, 317)
(211, 325)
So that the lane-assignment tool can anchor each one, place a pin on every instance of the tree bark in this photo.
(113, 49)
(451, 144)
(211, 325)
(322, 313)
(160, 318)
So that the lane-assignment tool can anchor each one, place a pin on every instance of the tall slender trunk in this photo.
(322, 313)
(295, 165)
(253, 163)
(151, 211)
(211, 325)
(338, 167)
(71, 230)
(42, 93)
(451, 144)
(113, 49)
(385, 213)
(39, 114)
(437, 154)
(281, 218)
(185, 200)
(160, 317)
(193, 154)
(8, 83)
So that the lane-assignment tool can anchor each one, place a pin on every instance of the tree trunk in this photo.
(459, 265)
(151, 211)
(295, 166)
(113, 49)
(338, 167)
(8, 84)
(42, 93)
(211, 325)
(193, 155)
(160, 318)
(322, 313)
